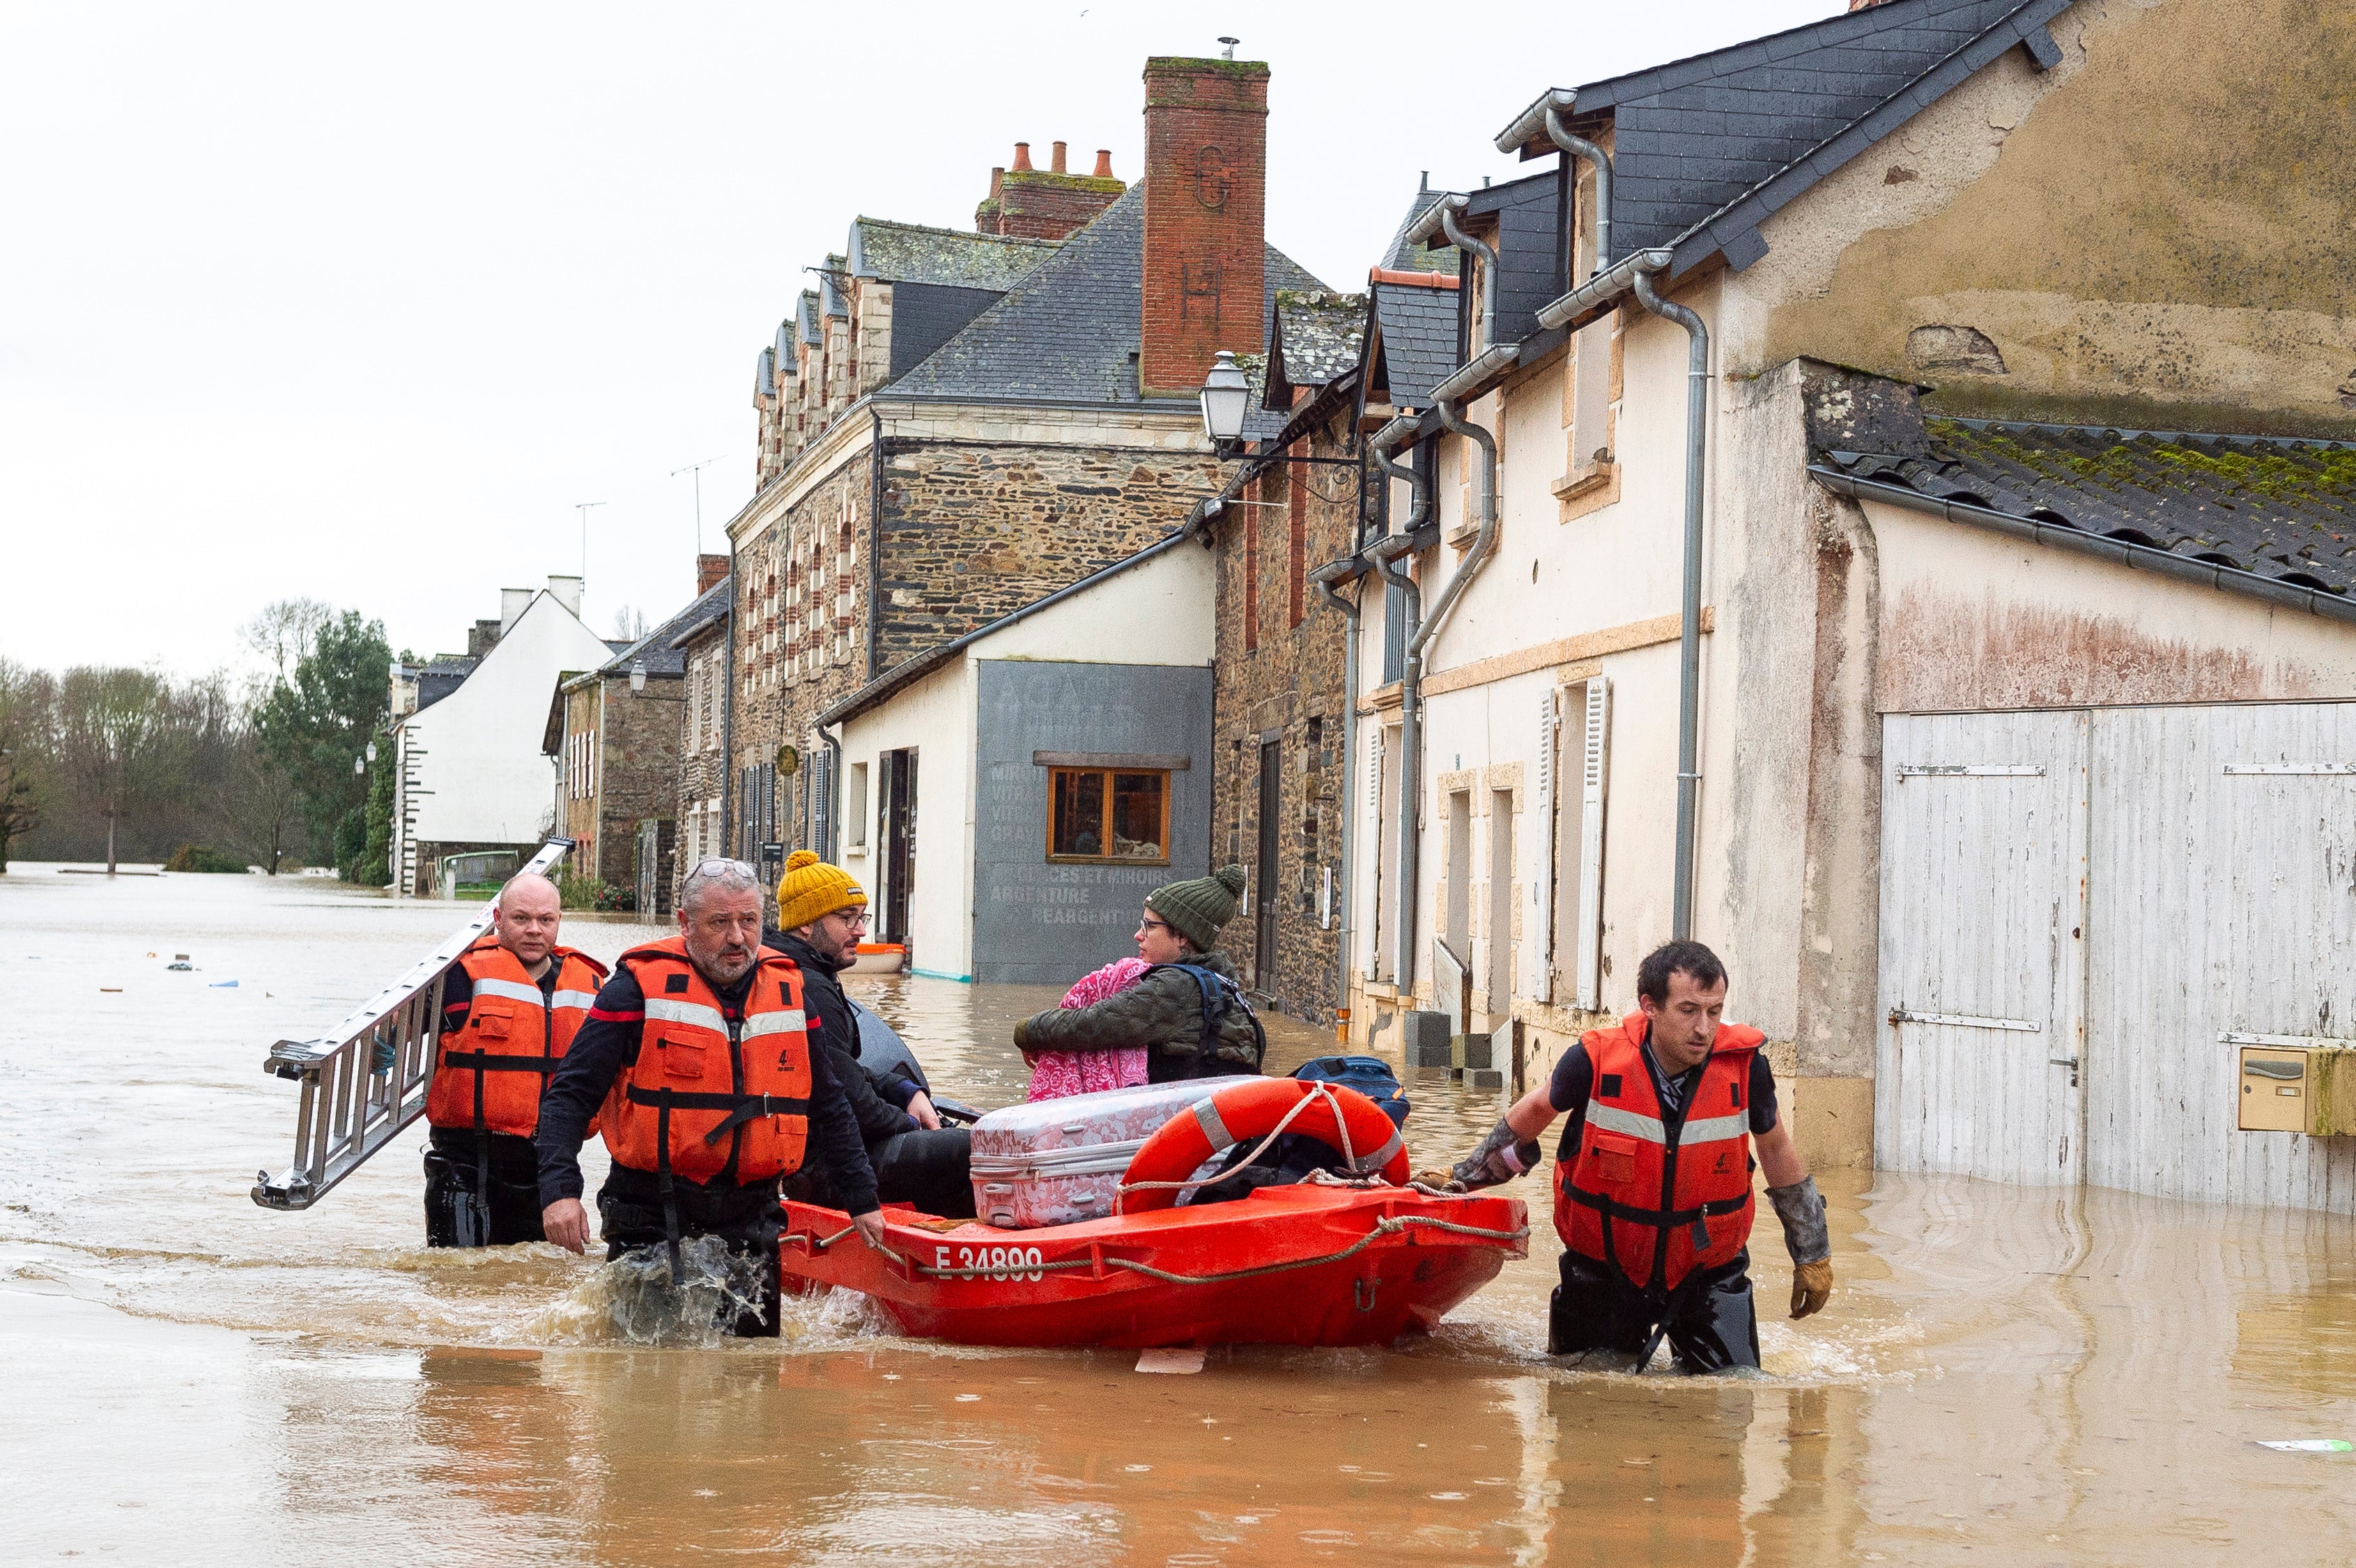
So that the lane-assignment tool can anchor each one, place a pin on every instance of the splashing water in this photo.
(633, 1300)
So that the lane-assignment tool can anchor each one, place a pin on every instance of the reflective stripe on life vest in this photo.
(1626, 1197)
(489, 1073)
(700, 1095)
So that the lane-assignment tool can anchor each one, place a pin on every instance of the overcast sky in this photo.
(358, 303)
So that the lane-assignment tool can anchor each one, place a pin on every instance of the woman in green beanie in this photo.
(1189, 1011)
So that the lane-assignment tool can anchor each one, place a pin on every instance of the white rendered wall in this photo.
(935, 718)
(484, 777)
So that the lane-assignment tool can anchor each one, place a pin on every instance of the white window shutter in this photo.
(1594, 756)
(1369, 926)
(1539, 943)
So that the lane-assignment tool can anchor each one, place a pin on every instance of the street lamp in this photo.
(637, 676)
(359, 766)
(1225, 393)
(372, 751)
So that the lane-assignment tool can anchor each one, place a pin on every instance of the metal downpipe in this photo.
(1689, 616)
(1384, 554)
(1580, 146)
(1461, 578)
(1488, 255)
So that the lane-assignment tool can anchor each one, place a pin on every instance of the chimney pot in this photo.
(1104, 163)
(1056, 163)
(1023, 157)
(996, 178)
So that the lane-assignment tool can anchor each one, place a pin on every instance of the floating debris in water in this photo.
(218, 985)
(109, 990)
(1179, 1361)
(2309, 1446)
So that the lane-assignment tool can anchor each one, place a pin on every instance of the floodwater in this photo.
(2004, 1376)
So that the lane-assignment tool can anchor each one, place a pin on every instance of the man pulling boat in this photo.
(700, 1042)
(1653, 1180)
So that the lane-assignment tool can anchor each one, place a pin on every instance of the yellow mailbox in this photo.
(2299, 1089)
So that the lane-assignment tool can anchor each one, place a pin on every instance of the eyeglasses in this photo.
(720, 868)
(1151, 924)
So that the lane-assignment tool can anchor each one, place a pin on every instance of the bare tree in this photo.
(110, 722)
(629, 624)
(285, 633)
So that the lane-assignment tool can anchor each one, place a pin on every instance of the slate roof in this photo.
(441, 676)
(807, 313)
(2281, 509)
(1067, 331)
(655, 648)
(782, 353)
(910, 252)
(1401, 257)
(1417, 337)
(1318, 335)
(1705, 149)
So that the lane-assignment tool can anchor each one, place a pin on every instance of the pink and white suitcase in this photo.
(1056, 1162)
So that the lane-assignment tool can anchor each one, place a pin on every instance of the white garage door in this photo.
(2135, 891)
(1983, 888)
(2223, 910)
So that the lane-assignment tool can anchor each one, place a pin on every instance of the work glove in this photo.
(380, 1057)
(1801, 1207)
(1501, 1157)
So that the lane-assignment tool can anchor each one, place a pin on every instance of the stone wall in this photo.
(637, 770)
(1281, 677)
(975, 530)
(701, 766)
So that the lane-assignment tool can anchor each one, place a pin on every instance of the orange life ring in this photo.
(1245, 1113)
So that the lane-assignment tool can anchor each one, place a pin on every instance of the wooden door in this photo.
(2223, 915)
(1984, 856)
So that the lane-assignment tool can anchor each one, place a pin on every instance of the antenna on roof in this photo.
(1229, 52)
(583, 507)
(697, 469)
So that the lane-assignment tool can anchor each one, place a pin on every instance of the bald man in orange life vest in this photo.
(510, 1007)
(1653, 1180)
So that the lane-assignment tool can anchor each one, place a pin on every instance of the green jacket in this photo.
(1164, 1013)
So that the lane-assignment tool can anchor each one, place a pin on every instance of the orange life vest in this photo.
(489, 1075)
(1629, 1199)
(705, 1089)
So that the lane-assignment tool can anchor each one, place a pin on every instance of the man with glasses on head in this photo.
(698, 1054)
(822, 914)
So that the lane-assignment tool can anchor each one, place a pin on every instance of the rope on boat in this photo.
(1318, 1092)
(1388, 1226)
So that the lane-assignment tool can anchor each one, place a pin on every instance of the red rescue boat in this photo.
(1328, 1262)
(1313, 1264)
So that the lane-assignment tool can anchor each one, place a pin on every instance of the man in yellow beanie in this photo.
(821, 918)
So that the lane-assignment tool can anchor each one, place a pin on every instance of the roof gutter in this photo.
(1544, 118)
(1689, 607)
(1605, 289)
(2142, 557)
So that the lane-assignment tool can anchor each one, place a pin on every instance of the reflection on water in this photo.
(2003, 1375)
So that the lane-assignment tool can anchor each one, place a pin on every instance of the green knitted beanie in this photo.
(1197, 909)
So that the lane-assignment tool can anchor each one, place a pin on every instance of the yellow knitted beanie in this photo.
(812, 890)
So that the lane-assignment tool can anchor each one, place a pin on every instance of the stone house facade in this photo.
(961, 429)
(615, 734)
(702, 719)
(1280, 757)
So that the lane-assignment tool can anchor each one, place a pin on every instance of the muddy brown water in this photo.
(2004, 1375)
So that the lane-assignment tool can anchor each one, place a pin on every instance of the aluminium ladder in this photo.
(349, 1111)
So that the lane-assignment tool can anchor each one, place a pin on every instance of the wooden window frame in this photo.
(1055, 777)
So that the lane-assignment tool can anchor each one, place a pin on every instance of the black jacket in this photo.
(876, 1099)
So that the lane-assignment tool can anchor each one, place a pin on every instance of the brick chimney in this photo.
(708, 571)
(1052, 203)
(1206, 207)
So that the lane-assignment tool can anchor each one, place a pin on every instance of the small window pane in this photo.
(1136, 816)
(1078, 813)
